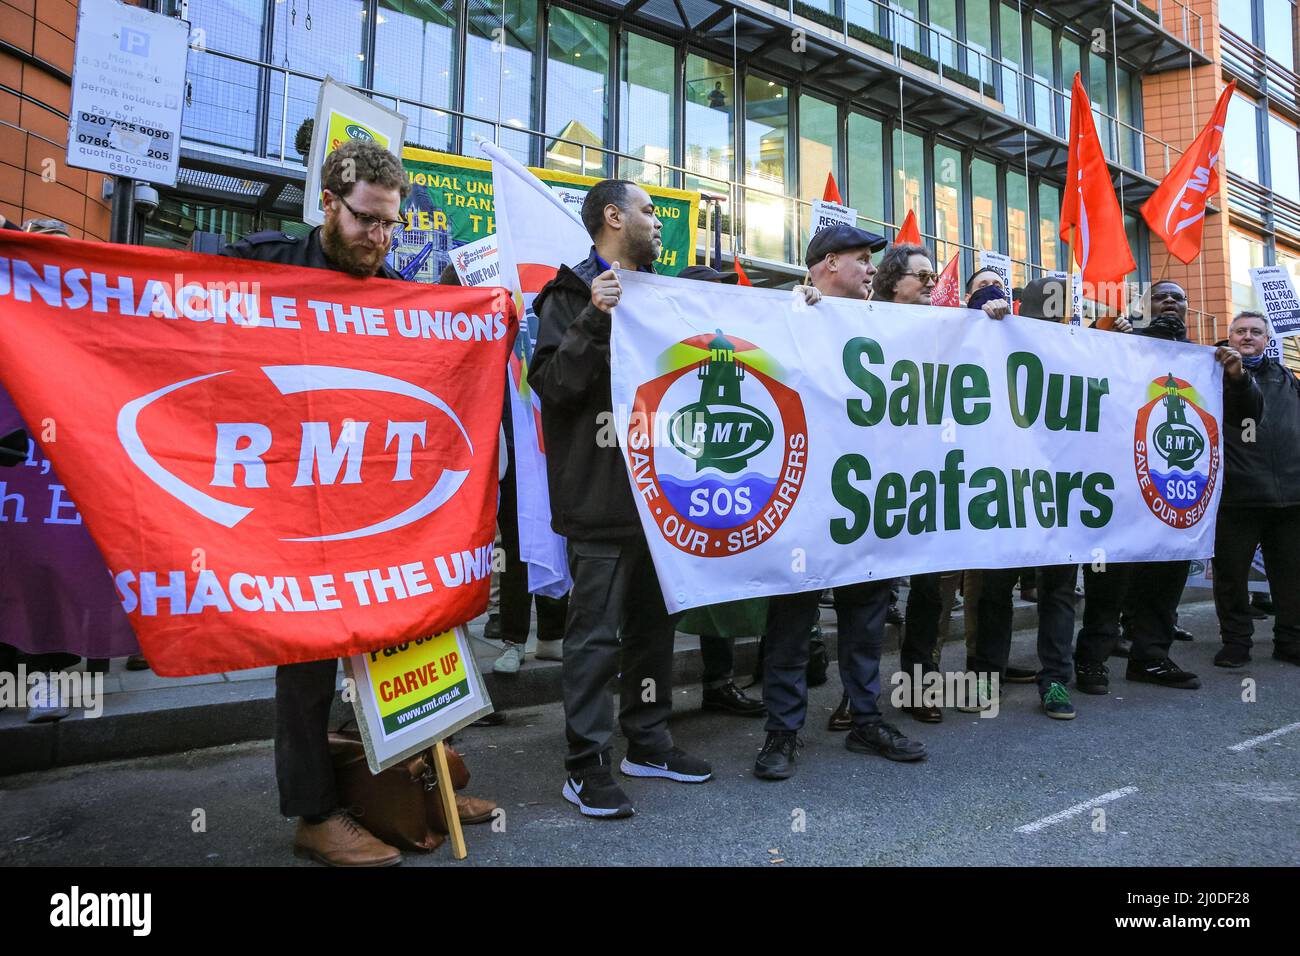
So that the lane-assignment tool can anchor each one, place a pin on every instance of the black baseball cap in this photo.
(709, 274)
(839, 237)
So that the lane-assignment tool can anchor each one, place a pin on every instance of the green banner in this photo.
(450, 205)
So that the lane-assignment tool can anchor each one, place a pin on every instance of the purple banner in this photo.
(55, 592)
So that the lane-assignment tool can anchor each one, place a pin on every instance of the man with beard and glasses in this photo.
(363, 186)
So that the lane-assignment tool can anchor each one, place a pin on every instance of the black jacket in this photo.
(1265, 473)
(291, 251)
(591, 497)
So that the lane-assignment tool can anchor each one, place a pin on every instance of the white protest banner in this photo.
(775, 447)
(415, 694)
(1076, 293)
(343, 114)
(1278, 297)
(478, 262)
(999, 263)
(536, 234)
(825, 213)
(128, 91)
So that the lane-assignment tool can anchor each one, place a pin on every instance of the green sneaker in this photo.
(984, 698)
(1056, 702)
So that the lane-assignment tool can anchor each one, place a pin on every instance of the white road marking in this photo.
(1255, 741)
(1075, 810)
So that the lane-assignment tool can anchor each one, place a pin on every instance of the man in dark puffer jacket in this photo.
(1261, 503)
(617, 623)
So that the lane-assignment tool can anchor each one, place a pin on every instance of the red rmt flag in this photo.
(947, 290)
(1176, 210)
(744, 279)
(1091, 219)
(277, 464)
(832, 191)
(908, 233)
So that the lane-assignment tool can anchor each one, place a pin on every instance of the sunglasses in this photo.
(924, 276)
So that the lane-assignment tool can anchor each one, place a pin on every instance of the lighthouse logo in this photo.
(1176, 452)
(718, 445)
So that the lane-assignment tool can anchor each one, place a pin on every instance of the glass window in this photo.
(905, 22)
(943, 18)
(985, 208)
(1071, 63)
(1245, 252)
(1099, 91)
(221, 96)
(1044, 76)
(909, 179)
(979, 37)
(1279, 31)
(767, 167)
(1130, 113)
(415, 50)
(647, 110)
(1133, 232)
(710, 123)
(1050, 252)
(818, 153)
(1237, 18)
(1283, 152)
(1009, 23)
(328, 40)
(866, 172)
(1241, 138)
(577, 78)
(949, 208)
(499, 69)
(1018, 226)
(175, 221)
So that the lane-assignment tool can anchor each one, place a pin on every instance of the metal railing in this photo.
(971, 71)
(1269, 209)
(1278, 83)
(1175, 18)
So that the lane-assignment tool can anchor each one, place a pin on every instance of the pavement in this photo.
(1144, 776)
(144, 714)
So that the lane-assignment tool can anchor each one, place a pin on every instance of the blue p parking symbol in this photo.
(134, 41)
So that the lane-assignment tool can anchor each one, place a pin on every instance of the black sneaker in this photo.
(673, 764)
(1091, 678)
(1183, 634)
(1232, 655)
(1163, 672)
(1056, 702)
(776, 760)
(731, 699)
(594, 792)
(884, 740)
(1290, 653)
(1020, 675)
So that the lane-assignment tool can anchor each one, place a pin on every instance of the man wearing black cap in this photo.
(839, 258)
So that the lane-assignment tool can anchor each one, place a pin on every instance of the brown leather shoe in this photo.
(926, 715)
(474, 809)
(340, 841)
(842, 719)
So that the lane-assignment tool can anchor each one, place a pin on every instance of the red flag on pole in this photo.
(908, 233)
(744, 279)
(1176, 210)
(832, 192)
(947, 291)
(1091, 219)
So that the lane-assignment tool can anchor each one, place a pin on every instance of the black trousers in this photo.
(1147, 593)
(860, 613)
(1238, 532)
(921, 624)
(1055, 584)
(516, 602)
(304, 772)
(617, 627)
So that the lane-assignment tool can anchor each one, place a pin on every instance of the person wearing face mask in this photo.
(1261, 498)
(839, 262)
(1148, 592)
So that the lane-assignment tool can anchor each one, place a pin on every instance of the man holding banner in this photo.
(839, 260)
(363, 186)
(617, 621)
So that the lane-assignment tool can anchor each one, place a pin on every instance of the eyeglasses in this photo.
(924, 276)
(368, 222)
